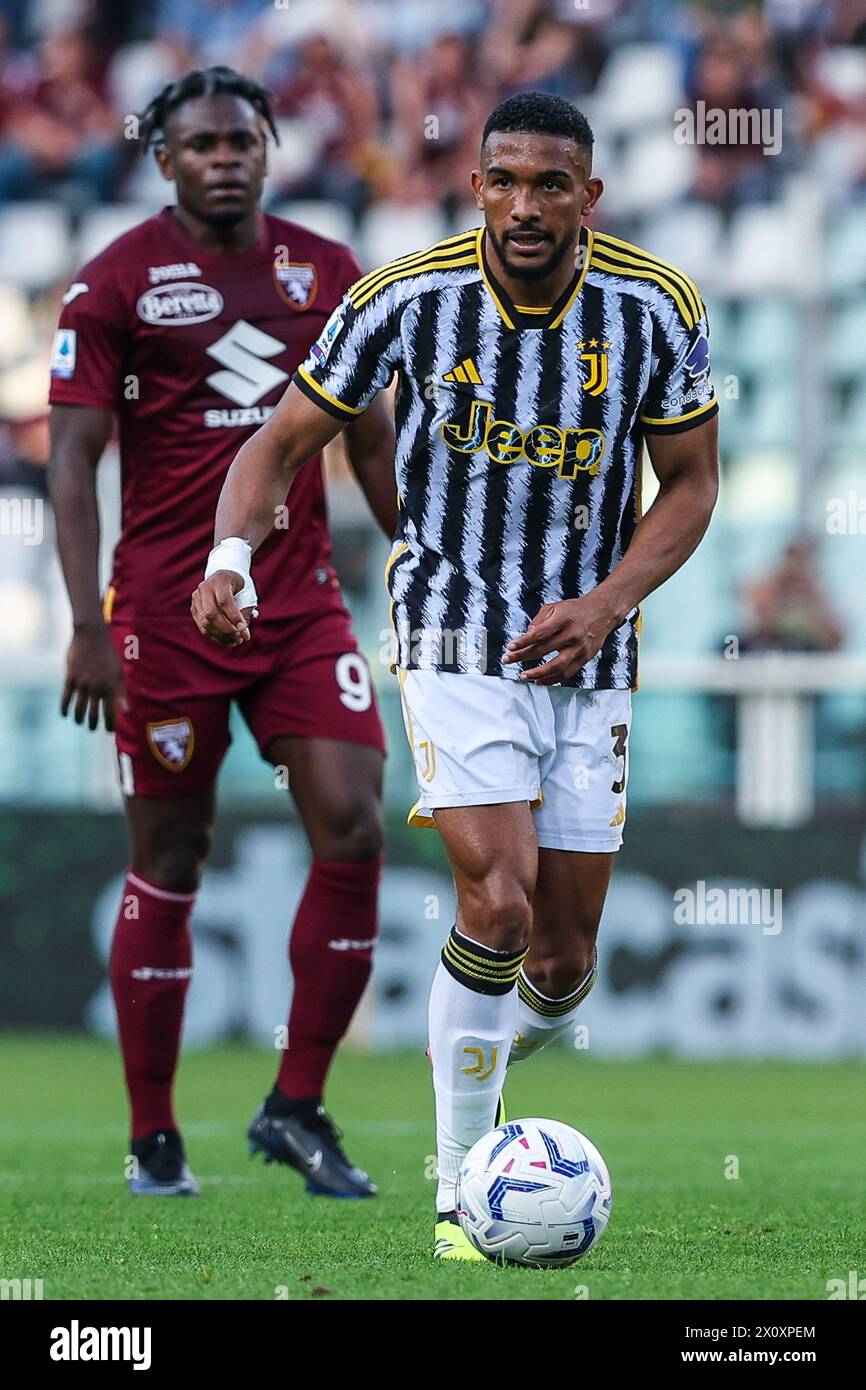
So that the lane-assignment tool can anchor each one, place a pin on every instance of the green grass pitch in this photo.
(670, 1131)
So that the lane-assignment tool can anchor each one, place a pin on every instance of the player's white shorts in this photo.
(481, 740)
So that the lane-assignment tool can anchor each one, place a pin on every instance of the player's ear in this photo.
(477, 180)
(163, 160)
(591, 194)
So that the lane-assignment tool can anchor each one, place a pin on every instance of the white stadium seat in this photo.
(138, 71)
(845, 249)
(641, 83)
(34, 245)
(103, 225)
(763, 252)
(325, 219)
(390, 230)
(766, 338)
(689, 236)
(16, 324)
(842, 68)
(653, 173)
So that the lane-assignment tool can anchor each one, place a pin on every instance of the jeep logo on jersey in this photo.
(297, 282)
(569, 451)
(179, 304)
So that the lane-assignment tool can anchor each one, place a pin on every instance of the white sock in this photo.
(540, 1019)
(473, 1010)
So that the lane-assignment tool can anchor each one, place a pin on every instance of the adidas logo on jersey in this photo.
(465, 372)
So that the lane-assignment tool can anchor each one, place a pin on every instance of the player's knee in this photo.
(498, 912)
(176, 865)
(559, 973)
(352, 835)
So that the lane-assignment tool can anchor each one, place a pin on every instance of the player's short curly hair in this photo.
(540, 113)
(202, 82)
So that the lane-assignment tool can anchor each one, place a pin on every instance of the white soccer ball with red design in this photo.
(534, 1192)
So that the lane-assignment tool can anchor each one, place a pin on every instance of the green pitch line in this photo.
(670, 1132)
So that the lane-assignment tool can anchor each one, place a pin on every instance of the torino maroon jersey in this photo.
(192, 349)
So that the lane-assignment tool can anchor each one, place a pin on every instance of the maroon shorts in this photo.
(301, 676)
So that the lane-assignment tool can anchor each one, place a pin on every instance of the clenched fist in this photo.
(215, 612)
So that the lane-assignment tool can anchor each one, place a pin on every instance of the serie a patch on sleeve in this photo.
(63, 352)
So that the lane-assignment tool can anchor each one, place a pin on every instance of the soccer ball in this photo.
(534, 1192)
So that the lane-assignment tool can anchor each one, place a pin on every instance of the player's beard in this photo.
(229, 218)
(531, 272)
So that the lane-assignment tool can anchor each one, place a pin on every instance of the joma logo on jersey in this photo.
(570, 451)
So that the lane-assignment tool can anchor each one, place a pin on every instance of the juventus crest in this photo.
(595, 378)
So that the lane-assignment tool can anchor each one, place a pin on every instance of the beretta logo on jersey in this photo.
(179, 304)
(297, 282)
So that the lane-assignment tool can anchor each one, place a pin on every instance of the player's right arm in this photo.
(353, 359)
(253, 496)
(94, 679)
(86, 375)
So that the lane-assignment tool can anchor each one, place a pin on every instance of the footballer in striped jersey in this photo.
(535, 360)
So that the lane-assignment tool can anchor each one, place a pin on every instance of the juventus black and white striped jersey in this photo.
(518, 434)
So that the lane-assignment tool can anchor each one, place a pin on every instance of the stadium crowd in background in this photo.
(380, 103)
(364, 76)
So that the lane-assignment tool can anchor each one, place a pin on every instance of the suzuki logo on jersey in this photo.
(247, 377)
(569, 451)
(177, 305)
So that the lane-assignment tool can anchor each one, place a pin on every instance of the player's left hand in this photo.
(575, 628)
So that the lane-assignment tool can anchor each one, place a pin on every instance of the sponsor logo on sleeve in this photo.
(698, 356)
(63, 354)
(321, 349)
(79, 287)
(179, 305)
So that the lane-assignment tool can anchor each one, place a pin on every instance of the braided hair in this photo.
(202, 82)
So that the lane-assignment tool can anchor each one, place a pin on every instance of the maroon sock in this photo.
(331, 954)
(150, 969)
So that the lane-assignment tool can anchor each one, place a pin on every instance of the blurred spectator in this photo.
(789, 609)
(548, 44)
(59, 130)
(337, 102)
(735, 70)
(205, 32)
(440, 106)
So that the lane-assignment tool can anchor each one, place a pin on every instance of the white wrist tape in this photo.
(234, 554)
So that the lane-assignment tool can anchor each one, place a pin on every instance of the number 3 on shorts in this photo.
(353, 678)
(619, 732)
